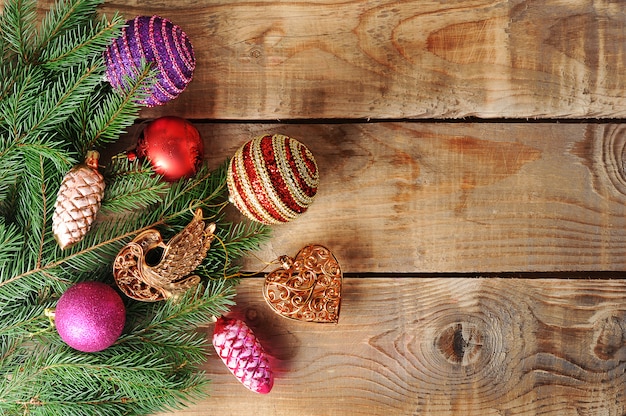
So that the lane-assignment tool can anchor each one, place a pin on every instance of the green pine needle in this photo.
(18, 28)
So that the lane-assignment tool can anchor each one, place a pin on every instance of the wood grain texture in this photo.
(402, 197)
(446, 197)
(439, 346)
(273, 59)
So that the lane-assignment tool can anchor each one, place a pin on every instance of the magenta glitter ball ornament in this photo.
(159, 42)
(90, 316)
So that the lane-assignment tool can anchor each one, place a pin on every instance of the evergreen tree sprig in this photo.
(55, 104)
(71, 32)
(18, 28)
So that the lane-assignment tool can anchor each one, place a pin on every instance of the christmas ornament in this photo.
(90, 316)
(243, 354)
(173, 147)
(307, 288)
(149, 270)
(272, 179)
(78, 201)
(159, 42)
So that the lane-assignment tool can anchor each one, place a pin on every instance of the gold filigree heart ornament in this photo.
(142, 277)
(307, 287)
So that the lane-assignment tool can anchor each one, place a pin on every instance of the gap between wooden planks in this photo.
(444, 346)
(450, 197)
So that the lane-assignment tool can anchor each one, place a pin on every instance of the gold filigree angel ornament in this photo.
(149, 270)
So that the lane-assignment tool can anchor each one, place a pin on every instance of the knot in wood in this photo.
(613, 154)
(610, 338)
(461, 343)
(252, 314)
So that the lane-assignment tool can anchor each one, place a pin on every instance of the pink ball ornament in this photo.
(90, 316)
(157, 41)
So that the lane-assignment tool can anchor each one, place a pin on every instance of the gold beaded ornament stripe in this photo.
(272, 179)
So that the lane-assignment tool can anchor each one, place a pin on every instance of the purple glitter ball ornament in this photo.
(157, 41)
(90, 316)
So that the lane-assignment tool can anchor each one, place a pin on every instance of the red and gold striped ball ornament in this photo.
(272, 179)
(159, 42)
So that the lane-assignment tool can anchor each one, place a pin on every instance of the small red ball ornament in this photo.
(90, 316)
(272, 179)
(173, 147)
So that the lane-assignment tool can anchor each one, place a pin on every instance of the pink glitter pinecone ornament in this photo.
(243, 354)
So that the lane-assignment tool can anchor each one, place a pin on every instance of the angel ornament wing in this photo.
(149, 270)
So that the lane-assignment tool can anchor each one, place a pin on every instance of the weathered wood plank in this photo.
(274, 59)
(446, 197)
(439, 347)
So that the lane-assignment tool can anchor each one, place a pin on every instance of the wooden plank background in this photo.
(453, 197)
(418, 210)
(443, 346)
(361, 59)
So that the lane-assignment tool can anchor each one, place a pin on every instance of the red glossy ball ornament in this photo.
(173, 147)
(90, 316)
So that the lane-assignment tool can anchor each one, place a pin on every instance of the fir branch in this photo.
(24, 322)
(170, 326)
(64, 16)
(240, 236)
(24, 88)
(7, 79)
(117, 111)
(18, 27)
(105, 114)
(11, 242)
(33, 196)
(54, 105)
(234, 240)
(80, 43)
(185, 313)
(207, 189)
(18, 161)
(10, 170)
(108, 383)
(130, 187)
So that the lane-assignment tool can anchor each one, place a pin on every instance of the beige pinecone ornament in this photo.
(78, 201)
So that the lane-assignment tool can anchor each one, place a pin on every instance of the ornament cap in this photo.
(92, 159)
(286, 262)
(131, 155)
